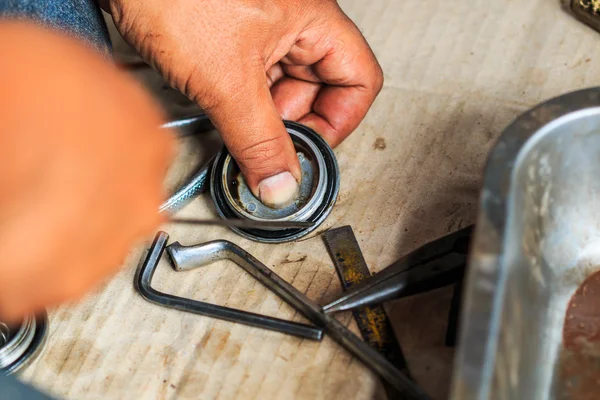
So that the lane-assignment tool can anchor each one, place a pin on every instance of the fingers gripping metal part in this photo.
(319, 192)
(233, 199)
(185, 258)
(4, 334)
(143, 281)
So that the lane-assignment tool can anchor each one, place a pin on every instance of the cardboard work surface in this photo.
(457, 73)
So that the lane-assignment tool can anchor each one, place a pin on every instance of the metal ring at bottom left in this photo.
(20, 344)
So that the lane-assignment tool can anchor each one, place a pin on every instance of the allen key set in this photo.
(185, 258)
(437, 264)
(192, 257)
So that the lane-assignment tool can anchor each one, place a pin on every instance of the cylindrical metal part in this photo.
(318, 189)
(143, 282)
(21, 343)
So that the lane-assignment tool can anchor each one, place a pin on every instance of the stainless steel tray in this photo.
(537, 239)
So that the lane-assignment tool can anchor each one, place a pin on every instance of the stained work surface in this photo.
(580, 357)
(456, 76)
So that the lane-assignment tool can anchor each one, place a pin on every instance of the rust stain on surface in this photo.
(580, 357)
(379, 144)
(289, 260)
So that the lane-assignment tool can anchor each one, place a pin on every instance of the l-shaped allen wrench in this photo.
(185, 258)
(143, 284)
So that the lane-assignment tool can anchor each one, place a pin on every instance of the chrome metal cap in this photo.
(318, 190)
(21, 343)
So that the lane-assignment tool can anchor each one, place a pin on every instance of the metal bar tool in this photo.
(436, 264)
(185, 258)
(143, 284)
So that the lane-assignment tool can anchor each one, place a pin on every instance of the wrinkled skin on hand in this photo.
(250, 62)
(82, 166)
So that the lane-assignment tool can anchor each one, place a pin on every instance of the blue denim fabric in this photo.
(81, 18)
(11, 389)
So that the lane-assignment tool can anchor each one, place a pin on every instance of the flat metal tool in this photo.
(143, 284)
(436, 264)
(372, 321)
(587, 11)
(185, 258)
(316, 197)
(243, 223)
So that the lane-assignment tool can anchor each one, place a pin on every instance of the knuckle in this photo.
(378, 79)
(262, 154)
(209, 102)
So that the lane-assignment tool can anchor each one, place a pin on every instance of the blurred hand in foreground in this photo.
(82, 166)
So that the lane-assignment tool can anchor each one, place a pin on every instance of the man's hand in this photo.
(82, 163)
(249, 63)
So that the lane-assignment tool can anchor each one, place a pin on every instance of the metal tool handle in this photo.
(196, 185)
(143, 281)
(199, 255)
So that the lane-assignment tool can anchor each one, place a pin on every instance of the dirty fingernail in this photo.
(279, 190)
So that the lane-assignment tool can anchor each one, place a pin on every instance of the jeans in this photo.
(11, 389)
(80, 18)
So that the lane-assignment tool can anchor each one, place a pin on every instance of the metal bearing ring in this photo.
(318, 190)
(21, 343)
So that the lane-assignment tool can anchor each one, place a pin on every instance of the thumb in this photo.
(258, 141)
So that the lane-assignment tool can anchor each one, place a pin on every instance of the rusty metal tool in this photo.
(143, 284)
(372, 321)
(587, 11)
(436, 264)
(187, 257)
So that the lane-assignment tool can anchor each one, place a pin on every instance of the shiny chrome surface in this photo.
(537, 238)
(311, 193)
(320, 192)
(195, 186)
(143, 284)
(4, 334)
(20, 343)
